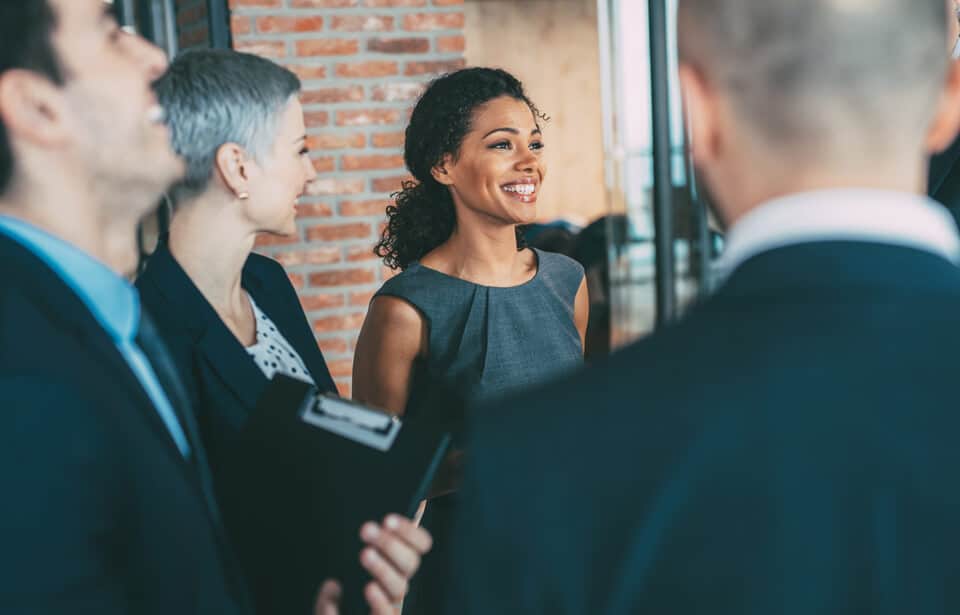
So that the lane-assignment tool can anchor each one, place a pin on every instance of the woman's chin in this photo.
(526, 216)
(288, 227)
(280, 231)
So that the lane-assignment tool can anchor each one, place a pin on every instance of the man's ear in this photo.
(441, 171)
(701, 106)
(32, 109)
(946, 121)
(233, 165)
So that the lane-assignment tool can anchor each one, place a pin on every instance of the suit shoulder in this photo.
(23, 320)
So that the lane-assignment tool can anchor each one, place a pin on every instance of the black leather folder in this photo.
(304, 475)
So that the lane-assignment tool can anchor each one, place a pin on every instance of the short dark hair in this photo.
(26, 29)
(422, 216)
(217, 96)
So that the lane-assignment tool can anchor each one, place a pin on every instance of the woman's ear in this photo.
(946, 121)
(232, 164)
(441, 171)
(701, 116)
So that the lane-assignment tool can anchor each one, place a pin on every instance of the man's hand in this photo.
(391, 557)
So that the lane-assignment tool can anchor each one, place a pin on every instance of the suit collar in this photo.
(889, 218)
(266, 282)
(172, 281)
(110, 298)
(220, 349)
(841, 268)
(61, 305)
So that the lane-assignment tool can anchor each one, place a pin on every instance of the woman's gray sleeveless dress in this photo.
(485, 342)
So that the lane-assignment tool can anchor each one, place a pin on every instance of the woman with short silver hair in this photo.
(231, 318)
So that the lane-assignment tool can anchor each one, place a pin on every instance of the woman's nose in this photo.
(527, 162)
(310, 170)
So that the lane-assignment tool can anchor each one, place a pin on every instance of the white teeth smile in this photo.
(524, 189)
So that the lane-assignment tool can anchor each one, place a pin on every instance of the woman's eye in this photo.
(305, 151)
(501, 145)
(537, 145)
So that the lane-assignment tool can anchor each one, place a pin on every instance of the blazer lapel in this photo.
(228, 360)
(224, 355)
(279, 301)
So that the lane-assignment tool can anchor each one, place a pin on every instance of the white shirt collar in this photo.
(876, 216)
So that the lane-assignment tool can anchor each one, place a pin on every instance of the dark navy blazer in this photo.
(221, 378)
(792, 447)
(100, 511)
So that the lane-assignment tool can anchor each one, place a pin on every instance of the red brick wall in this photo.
(363, 63)
(193, 28)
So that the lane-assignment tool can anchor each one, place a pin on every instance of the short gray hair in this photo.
(814, 72)
(217, 96)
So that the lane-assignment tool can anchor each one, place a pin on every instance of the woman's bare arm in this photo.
(581, 311)
(393, 337)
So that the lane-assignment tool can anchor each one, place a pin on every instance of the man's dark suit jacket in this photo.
(100, 513)
(792, 447)
(221, 378)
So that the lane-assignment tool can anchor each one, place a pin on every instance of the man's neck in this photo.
(212, 249)
(78, 218)
(748, 195)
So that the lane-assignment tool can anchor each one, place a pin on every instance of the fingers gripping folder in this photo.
(304, 474)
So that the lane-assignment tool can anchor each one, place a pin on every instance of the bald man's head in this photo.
(820, 74)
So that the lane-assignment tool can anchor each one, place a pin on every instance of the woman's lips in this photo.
(524, 191)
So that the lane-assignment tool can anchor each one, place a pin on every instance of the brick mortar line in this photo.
(362, 105)
(311, 35)
(395, 78)
(360, 57)
(363, 11)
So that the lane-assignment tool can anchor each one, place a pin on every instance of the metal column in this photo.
(219, 17)
(662, 179)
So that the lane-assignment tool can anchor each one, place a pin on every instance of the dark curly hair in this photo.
(422, 216)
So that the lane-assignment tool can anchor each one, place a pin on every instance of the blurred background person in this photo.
(557, 236)
(592, 251)
(791, 445)
(473, 308)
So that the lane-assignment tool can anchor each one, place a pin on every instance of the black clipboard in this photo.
(304, 474)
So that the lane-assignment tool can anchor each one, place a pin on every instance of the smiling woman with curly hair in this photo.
(424, 215)
(473, 309)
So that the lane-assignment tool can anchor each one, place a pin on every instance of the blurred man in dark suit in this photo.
(791, 446)
(107, 506)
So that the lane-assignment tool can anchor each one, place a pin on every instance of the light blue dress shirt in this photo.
(112, 300)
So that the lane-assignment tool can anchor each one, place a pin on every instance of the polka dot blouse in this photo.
(272, 353)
